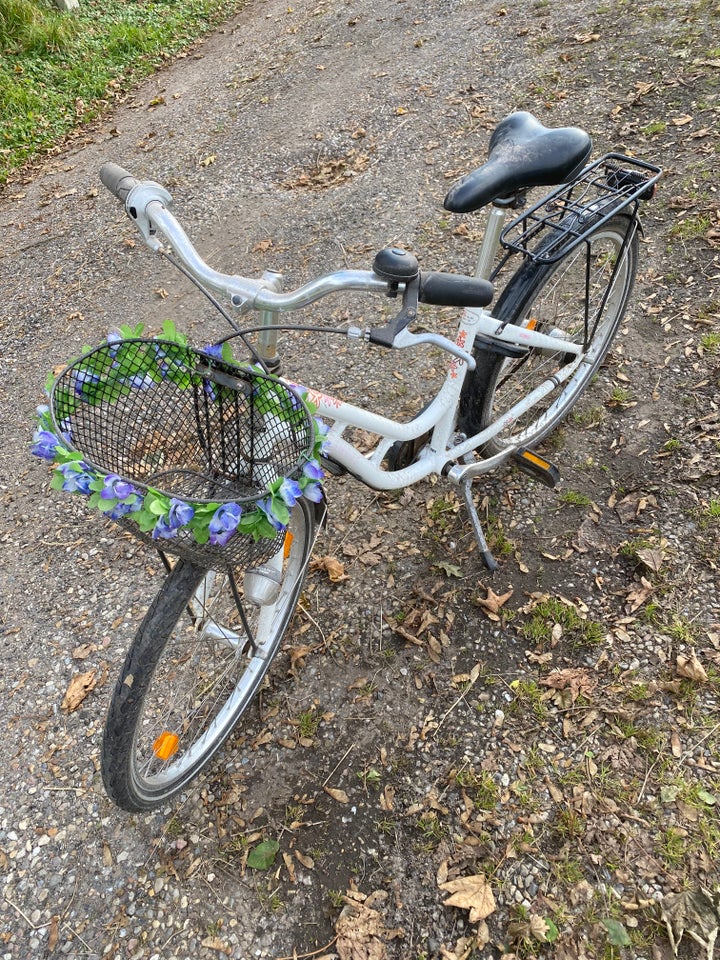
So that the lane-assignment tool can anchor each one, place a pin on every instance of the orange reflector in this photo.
(534, 458)
(531, 324)
(289, 537)
(166, 745)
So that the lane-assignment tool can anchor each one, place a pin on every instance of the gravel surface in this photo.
(552, 728)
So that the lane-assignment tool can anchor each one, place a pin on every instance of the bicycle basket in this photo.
(166, 419)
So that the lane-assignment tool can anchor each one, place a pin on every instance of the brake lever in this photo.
(407, 339)
(137, 203)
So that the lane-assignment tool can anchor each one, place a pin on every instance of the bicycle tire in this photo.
(551, 296)
(190, 674)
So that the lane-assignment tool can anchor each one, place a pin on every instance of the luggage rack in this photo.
(563, 219)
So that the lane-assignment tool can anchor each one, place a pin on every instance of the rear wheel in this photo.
(194, 667)
(551, 298)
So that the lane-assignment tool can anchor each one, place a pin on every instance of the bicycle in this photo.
(513, 374)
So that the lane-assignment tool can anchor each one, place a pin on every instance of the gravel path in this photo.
(304, 138)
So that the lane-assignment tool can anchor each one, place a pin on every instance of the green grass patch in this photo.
(59, 70)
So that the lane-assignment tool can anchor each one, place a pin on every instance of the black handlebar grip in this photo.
(454, 290)
(118, 181)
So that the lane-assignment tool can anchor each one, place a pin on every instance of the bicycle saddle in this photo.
(522, 154)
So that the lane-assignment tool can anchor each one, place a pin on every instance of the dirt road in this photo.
(579, 773)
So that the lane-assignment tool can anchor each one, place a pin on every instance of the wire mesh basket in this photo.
(564, 219)
(191, 427)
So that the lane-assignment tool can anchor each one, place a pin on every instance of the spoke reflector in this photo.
(166, 745)
(287, 544)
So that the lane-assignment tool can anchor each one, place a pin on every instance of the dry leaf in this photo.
(361, 932)
(332, 566)
(215, 943)
(691, 668)
(53, 933)
(695, 913)
(638, 595)
(574, 679)
(336, 794)
(80, 686)
(208, 160)
(306, 861)
(83, 651)
(471, 893)
(492, 602)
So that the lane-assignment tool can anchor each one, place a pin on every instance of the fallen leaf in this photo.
(263, 855)
(83, 651)
(617, 934)
(691, 668)
(638, 595)
(215, 943)
(332, 566)
(449, 569)
(493, 602)
(53, 933)
(336, 794)
(79, 687)
(471, 893)
(208, 160)
(361, 931)
(306, 861)
(695, 913)
(574, 679)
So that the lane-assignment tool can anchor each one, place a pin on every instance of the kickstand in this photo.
(488, 558)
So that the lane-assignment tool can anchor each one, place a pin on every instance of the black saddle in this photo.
(522, 154)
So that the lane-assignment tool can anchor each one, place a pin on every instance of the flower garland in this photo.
(156, 513)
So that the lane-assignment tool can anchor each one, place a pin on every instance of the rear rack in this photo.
(563, 219)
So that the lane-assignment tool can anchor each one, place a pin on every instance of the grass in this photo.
(59, 70)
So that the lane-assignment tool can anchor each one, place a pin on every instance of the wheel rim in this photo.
(557, 309)
(208, 673)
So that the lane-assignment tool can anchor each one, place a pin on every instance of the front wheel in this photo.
(581, 298)
(192, 670)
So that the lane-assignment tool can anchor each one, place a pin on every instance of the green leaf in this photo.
(551, 931)
(617, 934)
(708, 798)
(263, 855)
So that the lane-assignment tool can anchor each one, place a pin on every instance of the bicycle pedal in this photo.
(536, 467)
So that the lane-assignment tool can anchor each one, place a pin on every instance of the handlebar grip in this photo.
(454, 290)
(118, 181)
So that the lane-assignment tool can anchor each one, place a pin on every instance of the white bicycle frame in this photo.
(151, 203)
(440, 416)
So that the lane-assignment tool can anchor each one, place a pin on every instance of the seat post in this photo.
(490, 243)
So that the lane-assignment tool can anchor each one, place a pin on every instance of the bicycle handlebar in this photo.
(118, 181)
(149, 204)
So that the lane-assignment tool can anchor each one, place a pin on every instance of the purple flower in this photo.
(122, 509)
(114, 339)
(44, 444)
(163, 529)
(82, 379)
(314, 492)
(214, 350)
(321, 431)
(266, 506)
(76, 479)
(115, 488)
(313, 470)
(224, 523)
(141, 381)
(290, 491)
(66, 430)
(179, 514)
